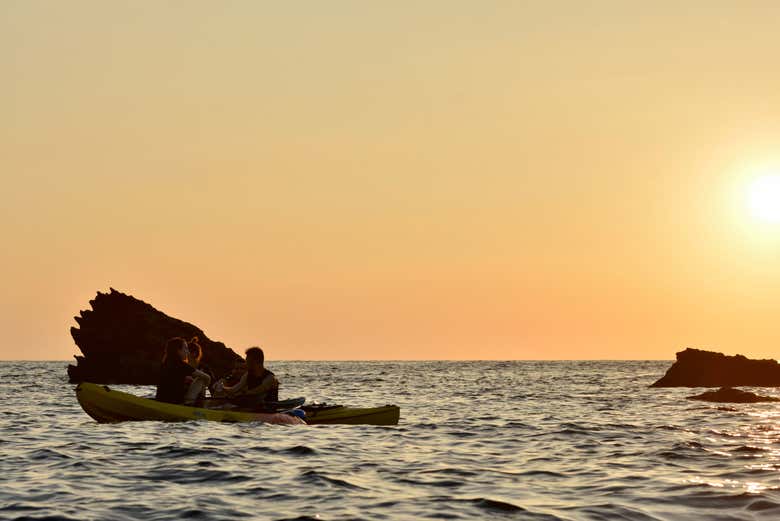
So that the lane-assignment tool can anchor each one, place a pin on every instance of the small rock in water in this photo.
(731, 395)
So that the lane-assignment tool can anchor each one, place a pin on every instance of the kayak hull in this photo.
(107, 405)
(338, 414)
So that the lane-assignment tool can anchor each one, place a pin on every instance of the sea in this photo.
(565, 440)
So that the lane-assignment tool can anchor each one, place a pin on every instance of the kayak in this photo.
(107, 405)
(339, 414)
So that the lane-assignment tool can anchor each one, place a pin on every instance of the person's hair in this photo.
(172, 347)
(196, 352)
(255, 353)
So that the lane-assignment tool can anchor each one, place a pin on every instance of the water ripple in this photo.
(477, 440)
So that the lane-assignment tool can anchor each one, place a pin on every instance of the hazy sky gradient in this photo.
(350, 180)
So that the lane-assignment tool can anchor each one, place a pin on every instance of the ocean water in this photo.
(477, 440)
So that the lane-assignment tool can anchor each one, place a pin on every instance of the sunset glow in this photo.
(764, 198)
(431, 181)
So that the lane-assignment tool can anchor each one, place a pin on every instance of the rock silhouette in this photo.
(731, 395)
(698, 368)
(122, 340)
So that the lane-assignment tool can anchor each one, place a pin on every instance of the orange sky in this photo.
(443, 180)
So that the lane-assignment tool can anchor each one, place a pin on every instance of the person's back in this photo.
(179, 382)
(172, 385)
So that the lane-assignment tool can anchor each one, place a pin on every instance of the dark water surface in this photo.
(477, 440)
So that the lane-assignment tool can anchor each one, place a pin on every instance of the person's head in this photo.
(254, 357)
(195, 352)
(175, 348)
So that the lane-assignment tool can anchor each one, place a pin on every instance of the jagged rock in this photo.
(697, 368)
(122, 340)
(731, 395)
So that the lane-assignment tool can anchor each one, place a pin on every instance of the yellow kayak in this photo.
(339, 414)
(107, 405)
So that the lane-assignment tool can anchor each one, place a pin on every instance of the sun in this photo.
(763, 198)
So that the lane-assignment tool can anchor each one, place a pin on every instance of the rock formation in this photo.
(697, 368)
(730, 395)
(122, 339)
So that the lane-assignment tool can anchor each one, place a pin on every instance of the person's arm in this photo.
(269, 382)
(231, 390)
(197, 373)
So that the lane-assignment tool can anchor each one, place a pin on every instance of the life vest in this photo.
(272, 395)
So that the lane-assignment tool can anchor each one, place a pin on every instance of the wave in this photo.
(540, 441)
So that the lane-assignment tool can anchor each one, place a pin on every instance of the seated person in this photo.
(179, 382)
(194, 359)
(194, 353)
(238, 371)
(218, 388)
(258, 385)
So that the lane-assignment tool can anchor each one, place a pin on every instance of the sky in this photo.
(398, 180)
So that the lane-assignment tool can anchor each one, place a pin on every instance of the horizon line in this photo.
(423, 360)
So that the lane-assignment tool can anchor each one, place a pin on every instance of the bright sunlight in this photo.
(764, 198)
